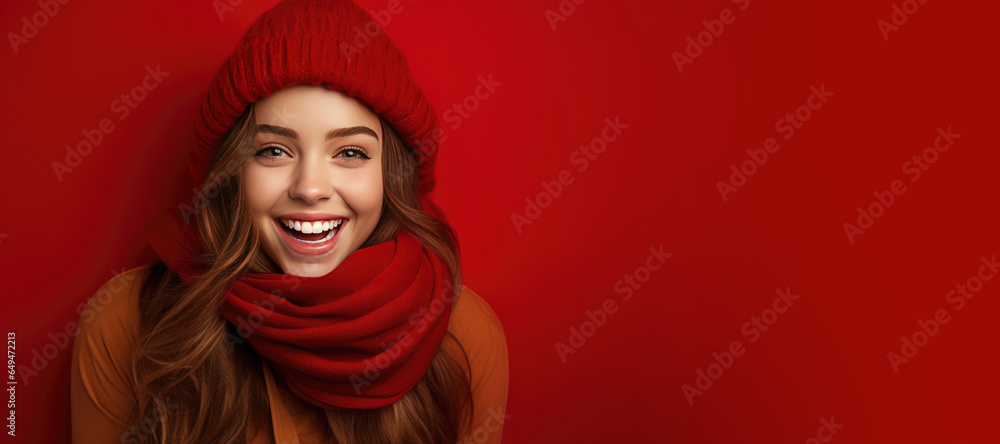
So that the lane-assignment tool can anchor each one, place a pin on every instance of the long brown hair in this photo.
(190, 368)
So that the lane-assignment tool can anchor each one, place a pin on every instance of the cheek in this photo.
(262, 187)
(364, 193)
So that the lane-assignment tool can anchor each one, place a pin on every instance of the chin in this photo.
(303, 269)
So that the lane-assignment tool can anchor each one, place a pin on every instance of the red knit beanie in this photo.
(328, 43)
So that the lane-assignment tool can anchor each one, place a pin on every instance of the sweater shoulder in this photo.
(115, 305)
(479, 332)
(102, 354)
(109, 320)
(475, 321)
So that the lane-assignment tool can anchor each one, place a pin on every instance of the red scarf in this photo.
(358, 338)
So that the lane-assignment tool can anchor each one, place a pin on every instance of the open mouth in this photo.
(312, 232)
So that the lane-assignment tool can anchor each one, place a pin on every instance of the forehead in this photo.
(314, 109)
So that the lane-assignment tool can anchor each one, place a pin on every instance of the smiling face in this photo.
(315, 183)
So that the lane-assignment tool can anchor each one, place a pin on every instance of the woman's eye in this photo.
(353, 154)
(270, 151)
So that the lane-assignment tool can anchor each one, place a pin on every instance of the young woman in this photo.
(312, 293)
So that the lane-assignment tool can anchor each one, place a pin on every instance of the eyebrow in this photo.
(339, 132)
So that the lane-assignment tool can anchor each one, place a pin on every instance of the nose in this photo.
(312, 182)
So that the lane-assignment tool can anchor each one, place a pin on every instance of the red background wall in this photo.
(655, 185)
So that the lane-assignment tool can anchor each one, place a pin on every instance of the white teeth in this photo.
(307, 227)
